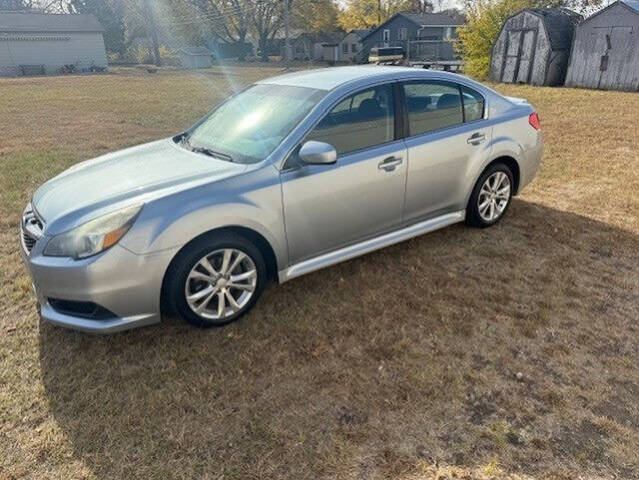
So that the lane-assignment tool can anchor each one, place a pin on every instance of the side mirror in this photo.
(318, 153)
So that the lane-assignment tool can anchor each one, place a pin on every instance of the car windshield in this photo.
(250, 125)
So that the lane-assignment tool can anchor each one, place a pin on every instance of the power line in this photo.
(210, 15)
(217, 16)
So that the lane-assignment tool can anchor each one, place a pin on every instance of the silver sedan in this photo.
(290, 175)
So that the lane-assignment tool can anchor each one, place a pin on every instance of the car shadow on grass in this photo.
(516, 344)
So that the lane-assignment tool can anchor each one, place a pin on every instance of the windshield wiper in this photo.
(211, 153)
(183, 140)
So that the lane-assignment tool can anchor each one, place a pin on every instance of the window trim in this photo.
(483, 111)
(461, 100)
(459, 86)
(401, 112)
(384, 39)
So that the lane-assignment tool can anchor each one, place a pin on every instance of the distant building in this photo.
(195, 57)
(350, 46)
(317, 46)
(39, 43)
(431, 35)
(605, 51)
(534, 46)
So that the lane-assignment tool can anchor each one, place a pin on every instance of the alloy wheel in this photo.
(220, 284)
(494, 196)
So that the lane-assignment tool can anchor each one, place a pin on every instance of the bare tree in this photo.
(231, 20)
(423, 6)
(152, 30)
(225, 20)
(267, 18)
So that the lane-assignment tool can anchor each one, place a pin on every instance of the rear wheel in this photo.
(216, 280)
(491, 196)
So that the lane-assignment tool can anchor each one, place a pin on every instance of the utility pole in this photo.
(154, 33)
(287, 30)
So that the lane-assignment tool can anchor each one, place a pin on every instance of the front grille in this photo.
(27, 241)
(31, 229)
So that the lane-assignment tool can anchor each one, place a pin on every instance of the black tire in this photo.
(187, 258)
(473, 217)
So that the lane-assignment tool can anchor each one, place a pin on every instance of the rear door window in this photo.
(432, 106)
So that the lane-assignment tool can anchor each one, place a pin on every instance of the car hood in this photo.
(136, 174)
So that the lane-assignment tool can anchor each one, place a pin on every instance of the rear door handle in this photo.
(389, 164)
(476, 138)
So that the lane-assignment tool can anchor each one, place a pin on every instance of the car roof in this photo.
(333, 77)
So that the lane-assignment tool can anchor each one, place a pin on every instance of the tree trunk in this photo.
(264, 47)
(154, 34)
(241, 40)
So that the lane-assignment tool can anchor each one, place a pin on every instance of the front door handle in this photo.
(389, 164)
(476, 138)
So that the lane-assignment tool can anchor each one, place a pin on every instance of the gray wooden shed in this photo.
(605, 51)
(195, 57)
(534, 46)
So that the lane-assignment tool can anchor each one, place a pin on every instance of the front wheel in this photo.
(216, 280)
(490, 197)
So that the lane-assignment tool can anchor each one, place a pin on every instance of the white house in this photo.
(40, 43)
(351, 45)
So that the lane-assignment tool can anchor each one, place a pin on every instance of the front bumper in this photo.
(126, 284)
(110, 325)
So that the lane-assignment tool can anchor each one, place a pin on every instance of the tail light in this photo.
(533, 119)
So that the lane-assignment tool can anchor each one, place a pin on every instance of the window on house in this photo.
(345, 48)
(353, 47)
(402, 34)
(386, 36)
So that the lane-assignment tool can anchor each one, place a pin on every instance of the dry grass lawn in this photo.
(402, 364)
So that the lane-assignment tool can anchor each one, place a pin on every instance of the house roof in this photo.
(560, 24)
(631, 5)
(361, 33)
(45, 22)
(421, 20)
(430, 19)
(634, 4)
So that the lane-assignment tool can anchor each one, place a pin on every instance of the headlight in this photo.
(93, 237)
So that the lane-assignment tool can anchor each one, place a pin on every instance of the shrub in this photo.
(485, 19)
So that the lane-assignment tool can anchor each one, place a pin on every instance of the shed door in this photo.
(617, 44)
(520, 53)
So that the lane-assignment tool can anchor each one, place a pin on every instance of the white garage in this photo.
(39, 43)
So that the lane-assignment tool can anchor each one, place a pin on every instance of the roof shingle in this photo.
(560, 24)
(436, 19)
(634, 4)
